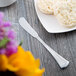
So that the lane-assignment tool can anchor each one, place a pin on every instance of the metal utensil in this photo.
(63, 63)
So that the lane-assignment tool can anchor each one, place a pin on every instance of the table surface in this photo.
(64, 44)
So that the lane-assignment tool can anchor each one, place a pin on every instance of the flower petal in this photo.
(37, 63)
(12, 68)
(39, 72)
(3, 62)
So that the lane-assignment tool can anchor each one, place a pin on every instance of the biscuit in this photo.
(65, 13)
(45, 6)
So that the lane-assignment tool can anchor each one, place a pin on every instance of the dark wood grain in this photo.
(64, 44)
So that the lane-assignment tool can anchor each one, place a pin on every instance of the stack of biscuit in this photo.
(64, 10)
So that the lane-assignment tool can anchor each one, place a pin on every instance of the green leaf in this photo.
(21, 43)
(3, 42)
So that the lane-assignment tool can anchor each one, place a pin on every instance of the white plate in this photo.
(50, 23)
(4, 3)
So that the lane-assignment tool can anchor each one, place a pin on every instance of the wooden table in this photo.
(64, 44)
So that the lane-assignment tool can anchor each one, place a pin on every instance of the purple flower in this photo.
(1, 18)
(2, 51)
(10, 45)
(12, 42)
(10, 34)
(1, 23)
(1, 33)
(11, 49)
(1, 37)
(7, 24)
(1, 15)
